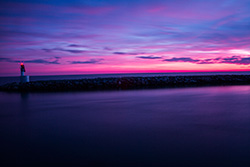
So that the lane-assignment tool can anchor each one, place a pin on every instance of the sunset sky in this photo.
(57, 37)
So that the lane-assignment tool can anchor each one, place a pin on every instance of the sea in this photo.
(198, 127)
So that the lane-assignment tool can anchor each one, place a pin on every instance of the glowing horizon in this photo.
(63, 37)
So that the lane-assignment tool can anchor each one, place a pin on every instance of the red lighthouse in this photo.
(22, 69)
(23, 78)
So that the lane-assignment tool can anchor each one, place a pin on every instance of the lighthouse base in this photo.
(24, 79)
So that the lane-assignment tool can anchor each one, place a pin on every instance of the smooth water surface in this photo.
(206, 126)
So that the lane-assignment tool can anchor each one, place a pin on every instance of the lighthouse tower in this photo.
(23, 78)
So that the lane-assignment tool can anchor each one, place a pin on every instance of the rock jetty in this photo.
(125, 83)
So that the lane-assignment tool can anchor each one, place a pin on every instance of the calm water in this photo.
(208, 126)
(4, 80)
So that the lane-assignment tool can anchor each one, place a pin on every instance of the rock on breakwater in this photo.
(125, 83)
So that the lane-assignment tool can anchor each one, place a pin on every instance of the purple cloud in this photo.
(238, 60)
(182, 59)
(228, 60)
(149, 57)
(42, 61)
(91, 61)
(64, 50)
(37, 61)
(107, 48)
(6, 59)
(77, 45)
(125, 53)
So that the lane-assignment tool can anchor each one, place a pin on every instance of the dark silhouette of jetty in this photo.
(126, 83)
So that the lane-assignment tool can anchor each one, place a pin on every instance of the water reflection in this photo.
(206, 126)
(24, 102)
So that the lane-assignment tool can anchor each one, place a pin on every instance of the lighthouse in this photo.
(23, 78)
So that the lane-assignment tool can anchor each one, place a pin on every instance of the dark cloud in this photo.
(72, 51)
(243, 61)
(39, 61)
(119, 53)
(182, 59)
(107, 48)
(206, 61)
(5, 59)
(231, 58)
(64, 50)
(227, 60)
(149, 57)
(76, 45)
(125, 53)
(91, 61)
(9, 60)
(218, 58)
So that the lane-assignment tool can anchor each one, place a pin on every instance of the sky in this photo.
(61, 37)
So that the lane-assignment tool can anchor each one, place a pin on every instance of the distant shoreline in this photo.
(126, 83)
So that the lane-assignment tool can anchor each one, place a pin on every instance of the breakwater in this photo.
(125, 83)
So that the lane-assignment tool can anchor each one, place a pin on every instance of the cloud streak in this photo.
(181, 59)
(91, 61)
(6, 60)
(64, 50)
(228, 60)
(149, 57)
(42, 61)
(36, 61)
(76, 45)
(126, 53)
